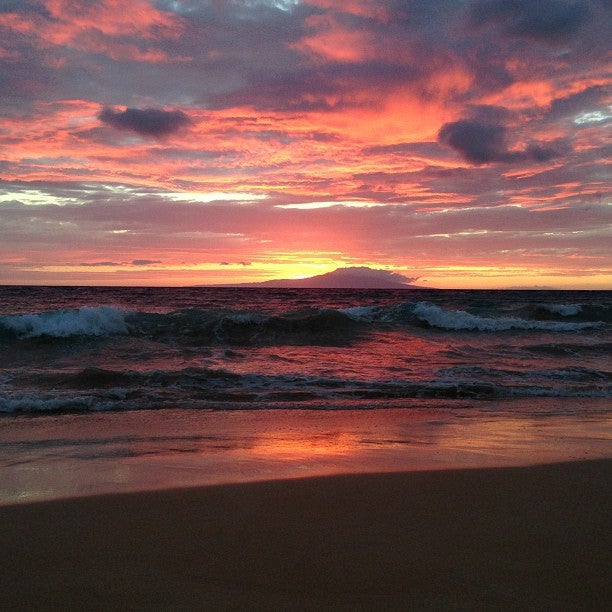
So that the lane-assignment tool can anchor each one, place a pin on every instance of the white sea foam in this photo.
(565, 310)
(27, 402)
(457, 320)
(361, 313)
(86, 321)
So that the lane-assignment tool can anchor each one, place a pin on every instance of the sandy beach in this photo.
(508, 538)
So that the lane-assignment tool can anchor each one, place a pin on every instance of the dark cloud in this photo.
(147, 122)
(331, 87)
(545, 20)
(325, 137)
(95, 264)
(479, 143)
(145, 262)
(588, 99)
(488, 113)
(541, 153)
(483, 143)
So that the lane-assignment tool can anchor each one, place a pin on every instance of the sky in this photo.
(464, 144)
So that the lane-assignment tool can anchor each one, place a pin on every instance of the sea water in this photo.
(100, 374)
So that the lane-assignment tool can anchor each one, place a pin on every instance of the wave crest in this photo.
(85, 321)
(459, 320)
(317, 326)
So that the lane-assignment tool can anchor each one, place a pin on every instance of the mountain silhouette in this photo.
(358, 277)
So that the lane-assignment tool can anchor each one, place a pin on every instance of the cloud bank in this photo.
(463, 142)
(545, 20)
(484, 143)
(146, 122)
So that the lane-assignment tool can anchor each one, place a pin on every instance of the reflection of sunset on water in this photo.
(66, 456)
(297, 446)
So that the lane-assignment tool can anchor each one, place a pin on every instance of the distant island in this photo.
(357, 277)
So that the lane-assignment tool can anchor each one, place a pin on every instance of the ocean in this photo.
(91, 377)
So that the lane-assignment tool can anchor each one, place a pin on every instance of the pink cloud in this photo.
(401, 133)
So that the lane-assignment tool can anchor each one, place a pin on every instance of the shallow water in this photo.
(122, 389)
(92, 349)
(81, 454)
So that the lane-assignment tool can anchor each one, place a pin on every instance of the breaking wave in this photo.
(457, 320)
(258, 350)
(85, 321)
(306, 326)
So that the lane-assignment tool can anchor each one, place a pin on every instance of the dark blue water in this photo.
(83, 349)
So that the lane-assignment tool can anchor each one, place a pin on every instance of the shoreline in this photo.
(481, 538)
(81, 455)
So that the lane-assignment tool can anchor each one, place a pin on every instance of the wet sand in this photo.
(505, 538)
(62, 456)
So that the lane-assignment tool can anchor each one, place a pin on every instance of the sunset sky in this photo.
(175, 142)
